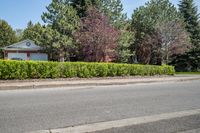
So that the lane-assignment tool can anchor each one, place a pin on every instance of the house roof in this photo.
(24, 45)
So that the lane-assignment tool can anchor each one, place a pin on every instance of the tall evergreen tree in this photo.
(33, 32)
(111, 8)
(191, 18)
(114, 10)
(7, 35)
(126, 39)
(190, 61)
(62, 17)
(82, 5)
(19, 34)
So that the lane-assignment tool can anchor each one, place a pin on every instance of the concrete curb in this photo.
(82, 83)
(121, 123)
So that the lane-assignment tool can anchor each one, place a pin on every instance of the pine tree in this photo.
(191, 18)
(114, 10)
(30, 24)
(82, 5)
(111, 8)
(62, 18)
(7, 34)
(33, 32)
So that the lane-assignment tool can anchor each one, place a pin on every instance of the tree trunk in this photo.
(62, 56)
(167, 59)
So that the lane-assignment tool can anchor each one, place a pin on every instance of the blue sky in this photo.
(18, 12)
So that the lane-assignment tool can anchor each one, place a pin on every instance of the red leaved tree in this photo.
(97, 38)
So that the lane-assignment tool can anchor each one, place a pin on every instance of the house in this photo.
(24, 50)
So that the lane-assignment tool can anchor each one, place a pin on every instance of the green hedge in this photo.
(42, 70)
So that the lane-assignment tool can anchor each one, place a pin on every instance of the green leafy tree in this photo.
(7, 35)
(63, 19)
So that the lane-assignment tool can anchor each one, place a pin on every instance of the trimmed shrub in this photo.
(42, 70)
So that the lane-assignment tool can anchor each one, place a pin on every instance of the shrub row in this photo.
(42, 70)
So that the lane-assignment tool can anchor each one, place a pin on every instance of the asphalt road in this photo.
(30, 110)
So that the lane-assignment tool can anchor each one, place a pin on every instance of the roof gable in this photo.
(25, 45)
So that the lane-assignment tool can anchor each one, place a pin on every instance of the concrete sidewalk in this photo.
(26, 84)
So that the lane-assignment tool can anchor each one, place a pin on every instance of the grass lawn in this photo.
(187, 72)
